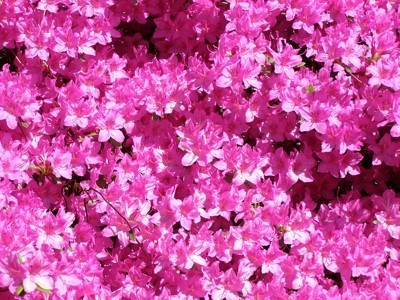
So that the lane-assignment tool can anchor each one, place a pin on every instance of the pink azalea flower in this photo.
(245, 163)
(37, 272)
(315, 117)
(61, 163)
(285, 61)
(54, 231)
(237, 73)
(385, 72)
(390, 220)
(185, 256)
(110, 126)
(78, 113)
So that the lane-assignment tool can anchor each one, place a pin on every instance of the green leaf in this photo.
(132, 236)
(282, 229)
(265, 70)
(92, 134)
(116, 144)
(20, 289)
(310, 89)
(300, 64)
(40, 289)
(34, 167)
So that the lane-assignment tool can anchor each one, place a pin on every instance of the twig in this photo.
(126, 221)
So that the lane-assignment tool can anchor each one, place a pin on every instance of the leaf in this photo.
(132, 236)
(266, 70)
(115, 143)
(40, 289)
(20, 289)
(92, 134)
(310, 89)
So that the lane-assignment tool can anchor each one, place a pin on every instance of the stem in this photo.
(112, 206)
(22, 130)
(85, 204)
(126, 221)
(65, 201)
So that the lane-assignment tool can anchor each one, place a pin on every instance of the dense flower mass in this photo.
(203, 149)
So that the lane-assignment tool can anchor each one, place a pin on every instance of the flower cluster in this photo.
(203, 149)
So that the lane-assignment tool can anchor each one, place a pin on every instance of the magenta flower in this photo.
(285, 61)
(199, 149)
(61, 163)
(385, 72)
(37, 272)
(238, 73)
(110, 126)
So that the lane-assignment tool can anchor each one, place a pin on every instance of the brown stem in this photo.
(113, 207)
(126, 221)
(22, 130)
(85, 204)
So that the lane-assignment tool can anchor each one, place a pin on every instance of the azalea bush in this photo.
(199, 149)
